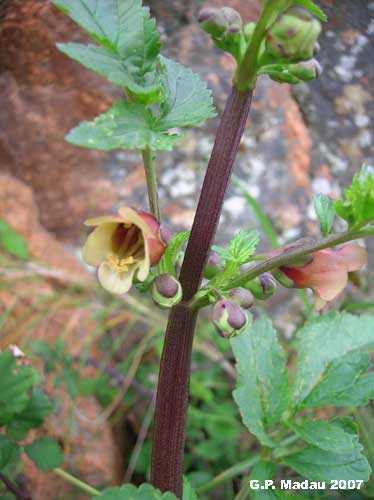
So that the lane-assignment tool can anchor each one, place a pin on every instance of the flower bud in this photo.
(262, 287)
(216, 22)
(213, 266)
(212, 21)
(306, 70)
(293, 35)
(229, 319)
(166, 291)
(242, 297)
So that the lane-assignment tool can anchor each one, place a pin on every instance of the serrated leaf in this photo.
(12, 242)
(262, 472)
(131, 492)
(188, 491)
(45, 453)
(109, 64)
(262, 391)
(344, 383)
(8, 451)
(32, 416)
(129, 39)
(312, 7)
(15, 382)
(358, 206)
(324, 340)
(324, 208)
(167, 262)
(320, 465)
(187, 101)
(124, 126)
(328, 435)
(243, 246)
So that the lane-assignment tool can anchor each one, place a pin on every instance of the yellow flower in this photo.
(123, 246)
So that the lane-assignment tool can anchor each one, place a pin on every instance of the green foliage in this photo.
(170, 256)
(12, 242)
(8, 451)
(261, 472)
(324, 208)
(131, 492)
(187, 100)
(15, 382)
(45, 453)
(129, 39)
(23, 406)
(340, 334)
(241, 248)
(262, 392)
(337, 374)
(358, 207)
(312, 7)
(128, 56)
(125, 125)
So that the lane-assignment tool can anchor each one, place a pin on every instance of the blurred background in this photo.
(99, 354)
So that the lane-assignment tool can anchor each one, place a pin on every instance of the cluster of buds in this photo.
(292, 39)
(225, 26)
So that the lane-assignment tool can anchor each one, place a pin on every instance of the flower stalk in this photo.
(151, 179)
(173, 384)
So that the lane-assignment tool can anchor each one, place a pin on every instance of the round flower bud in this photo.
(262, 287)
(293, 35)
(166, 291)
(306, 70)
(229, 319)
(242, 297)
(213, 266)
(213, 21)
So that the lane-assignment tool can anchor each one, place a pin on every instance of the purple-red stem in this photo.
(175, 366)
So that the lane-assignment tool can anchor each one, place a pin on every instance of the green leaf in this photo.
(167, 262)
(12, 242)
(262, 472)
(324, 340)
(15, 382)
(131, 43)
(320, 465)
(124, 126)
(312, 7)
(131, 492)
(8, 451)
(262, 392)
(188, 491)
(109, 64)
(45, 453)
(243, 245)
(328, 435)
(358, 206)
(187, 102)
(324, 208)
(344, 383)
(32, 416)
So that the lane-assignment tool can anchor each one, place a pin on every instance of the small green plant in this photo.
(277, 400)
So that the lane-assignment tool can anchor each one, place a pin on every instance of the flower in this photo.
(122, 246)
(327, 273)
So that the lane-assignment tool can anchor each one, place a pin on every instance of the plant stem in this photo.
(245, 75)
(10, 486)
(300, 251)
(76, 482)
(173, 385)
(151, 178)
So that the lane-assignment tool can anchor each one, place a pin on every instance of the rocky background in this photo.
(308, 139)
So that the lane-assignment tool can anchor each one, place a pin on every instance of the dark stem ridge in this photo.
(175, 366)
